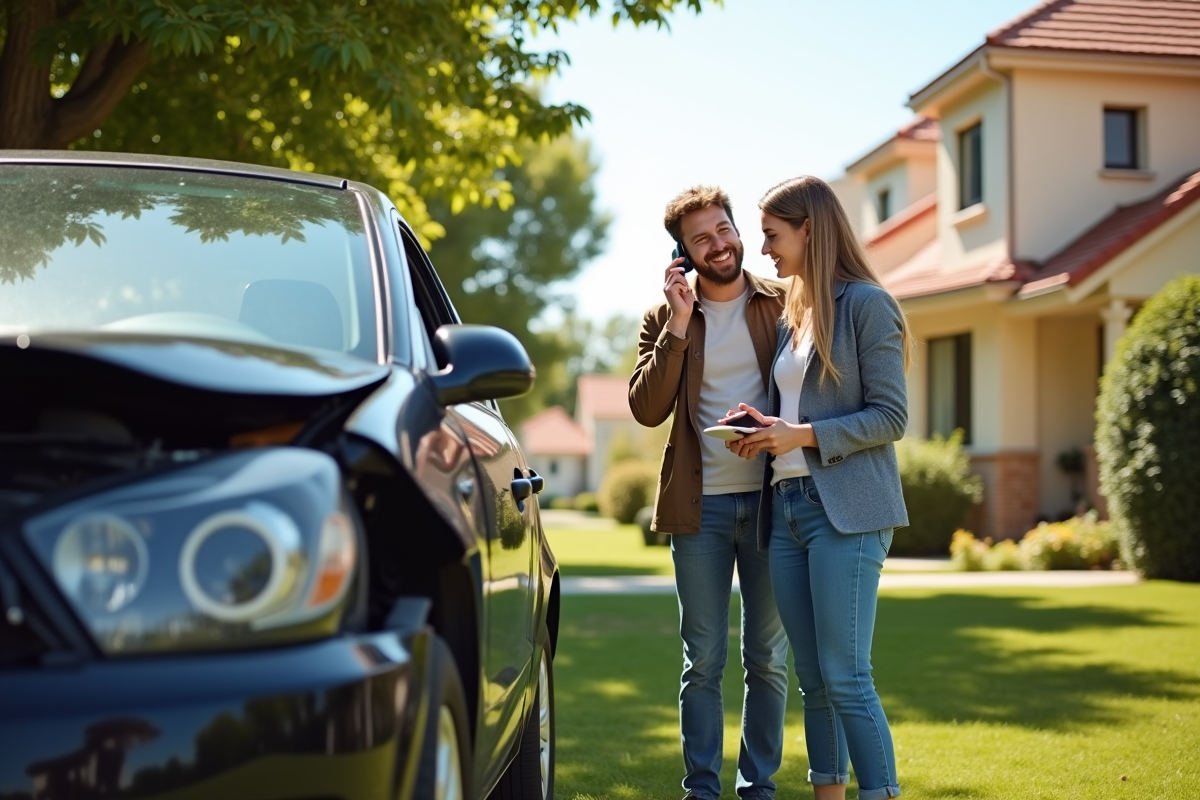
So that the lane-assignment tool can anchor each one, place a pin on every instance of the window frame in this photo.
(1135, 118)
(883, 204)
(963, 395)
(970, 173)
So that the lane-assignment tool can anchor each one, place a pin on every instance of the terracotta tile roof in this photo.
(1105, 240)
(925, 129)
(554, 433)
(922, 275)
(919, 210)
(1143, 27)
(603, 397)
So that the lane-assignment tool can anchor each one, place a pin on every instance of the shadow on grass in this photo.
(950, 657)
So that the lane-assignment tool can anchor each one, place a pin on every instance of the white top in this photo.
(788, 371)
(731, 376)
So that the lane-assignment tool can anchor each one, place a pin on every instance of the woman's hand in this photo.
(775, 437)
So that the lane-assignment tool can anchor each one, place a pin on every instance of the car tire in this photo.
(531, 774)
(445, 769)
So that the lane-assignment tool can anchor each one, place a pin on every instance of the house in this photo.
(1048, 185)
(573, 453)
(602, 409)
(557, 448)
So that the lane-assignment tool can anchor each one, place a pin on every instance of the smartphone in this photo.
(681, 252)
(742, 419)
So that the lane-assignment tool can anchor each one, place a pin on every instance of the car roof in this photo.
(146, 161)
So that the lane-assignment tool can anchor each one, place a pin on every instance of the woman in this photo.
(831, 495)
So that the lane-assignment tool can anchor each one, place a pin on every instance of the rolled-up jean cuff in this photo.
(827, 778)
(878, 794)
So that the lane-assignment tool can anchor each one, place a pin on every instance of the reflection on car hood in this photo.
(213, 364)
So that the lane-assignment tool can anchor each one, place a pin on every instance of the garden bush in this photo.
(562, 503)
(586, 501)
(627, 487)
(1077, 543)
(939, 490)
(1148, 435)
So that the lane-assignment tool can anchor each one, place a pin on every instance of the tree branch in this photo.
(101, 86)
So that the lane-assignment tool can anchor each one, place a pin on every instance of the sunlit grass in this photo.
(619, 550)
(1004, 693)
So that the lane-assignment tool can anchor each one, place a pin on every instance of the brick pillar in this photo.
(1011, 494)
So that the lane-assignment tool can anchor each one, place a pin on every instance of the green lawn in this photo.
(619, 550)
(1005, 693)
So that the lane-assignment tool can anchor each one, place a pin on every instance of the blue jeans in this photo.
(826, 585)
(704, 565)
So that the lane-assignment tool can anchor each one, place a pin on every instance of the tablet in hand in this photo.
(729, 432)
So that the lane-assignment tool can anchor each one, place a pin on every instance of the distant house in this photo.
(557, 448)
(1047, 187)
(602, 408)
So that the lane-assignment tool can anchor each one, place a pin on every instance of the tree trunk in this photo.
(30, 117)
(25, 102)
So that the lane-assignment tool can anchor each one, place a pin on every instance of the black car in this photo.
(263, 530)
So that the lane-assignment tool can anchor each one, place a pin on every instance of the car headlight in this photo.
(244, 548)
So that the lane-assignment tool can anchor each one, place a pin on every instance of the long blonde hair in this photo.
(833, 254)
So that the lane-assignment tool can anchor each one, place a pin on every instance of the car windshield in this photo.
(170, 252)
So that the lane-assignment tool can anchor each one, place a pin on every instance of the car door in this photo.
(505, 540)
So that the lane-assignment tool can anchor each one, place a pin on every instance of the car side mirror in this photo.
(482, 363)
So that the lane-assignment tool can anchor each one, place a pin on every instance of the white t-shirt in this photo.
(731, 376)
(788, 371)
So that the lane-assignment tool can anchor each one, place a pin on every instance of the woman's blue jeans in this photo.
(704, 564)
(826, 585)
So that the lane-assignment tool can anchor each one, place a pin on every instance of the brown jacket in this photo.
(667, 379)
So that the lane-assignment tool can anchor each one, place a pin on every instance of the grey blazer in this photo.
(857, 420)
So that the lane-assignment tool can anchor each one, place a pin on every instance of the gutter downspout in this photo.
(1010, 221)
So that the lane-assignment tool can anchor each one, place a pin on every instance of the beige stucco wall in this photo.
(1176, 254)
(1058, 141)
(1003, 374)
(567, 480)
(1067, 372)
(901, 245)
(983, 239)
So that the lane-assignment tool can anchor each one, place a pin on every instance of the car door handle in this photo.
(521, 488)
(538, 482)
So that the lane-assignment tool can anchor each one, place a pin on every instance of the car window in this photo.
(433, 305)
(162, 251)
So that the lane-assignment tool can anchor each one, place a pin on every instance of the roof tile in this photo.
(554, 432)
(1146, 27)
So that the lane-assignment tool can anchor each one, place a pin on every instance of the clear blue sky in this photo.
(743, 96)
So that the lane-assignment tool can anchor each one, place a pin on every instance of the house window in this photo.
(1121, 138)
(970, 166)
(553, 467)
(884, 204)
(950, 386)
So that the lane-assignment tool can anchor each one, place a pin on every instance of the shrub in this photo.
(1077, 543)
(561, 503)
(1148, 435)
(586, 501)
(939, 490)
(626, 488)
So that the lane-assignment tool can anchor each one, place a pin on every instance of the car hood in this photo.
(211, 364)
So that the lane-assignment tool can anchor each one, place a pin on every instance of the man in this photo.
(706, 348)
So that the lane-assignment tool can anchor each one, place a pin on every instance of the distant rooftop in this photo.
(554, 433)
(603, 397)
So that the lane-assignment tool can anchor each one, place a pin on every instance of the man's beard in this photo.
(718, 276)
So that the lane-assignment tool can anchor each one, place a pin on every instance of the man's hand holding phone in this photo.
(775, 435)
(679, 297)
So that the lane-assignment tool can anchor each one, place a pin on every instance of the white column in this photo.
(1116, 317)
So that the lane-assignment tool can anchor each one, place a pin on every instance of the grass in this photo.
(618, 550)
(1005, 693)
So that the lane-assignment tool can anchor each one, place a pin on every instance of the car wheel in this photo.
(531, 774)
(444, 772)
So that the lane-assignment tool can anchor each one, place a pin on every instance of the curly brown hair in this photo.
(694, 199)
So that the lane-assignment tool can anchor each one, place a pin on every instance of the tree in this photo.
(505, 265)
(415, 98)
